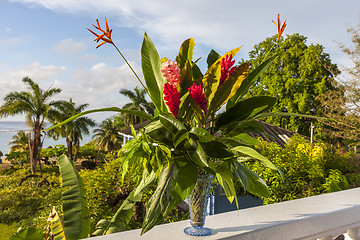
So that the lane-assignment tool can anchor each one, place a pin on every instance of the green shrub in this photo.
(309, 169)
(22, 202)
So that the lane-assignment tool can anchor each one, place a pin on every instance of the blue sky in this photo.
(47, 40)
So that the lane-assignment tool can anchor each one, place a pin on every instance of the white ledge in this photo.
(307, 218)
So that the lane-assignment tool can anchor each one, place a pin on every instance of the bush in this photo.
(88, 164)
(22, 201)
(309, 169)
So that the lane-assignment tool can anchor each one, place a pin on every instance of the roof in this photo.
(272, 133)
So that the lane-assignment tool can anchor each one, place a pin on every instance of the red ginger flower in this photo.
(226, 69)
(171, 72)
(199, 97)
(172, 98)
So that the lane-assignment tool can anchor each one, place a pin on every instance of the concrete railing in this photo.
(320, 217)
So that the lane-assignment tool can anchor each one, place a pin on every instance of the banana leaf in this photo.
(76, 213)
(29, 233)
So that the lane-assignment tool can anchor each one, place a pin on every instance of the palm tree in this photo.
(138, 102)
(35, 104)
(107, 137)
(19, 142)
(72, 131)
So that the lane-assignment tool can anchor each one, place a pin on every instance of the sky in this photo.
(48, 40)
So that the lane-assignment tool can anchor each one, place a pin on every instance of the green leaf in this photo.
(249, 81)
(171, 123)
(216, 149)
(284, 114)
(186, 79)
(254, 154)
(212, 57)
(56, 226)
(237, 128)
(109, 109)
(186, 52)
(229, 87)
(246, 109)
(247, 140)
(210, 81)
(252, 182)
(202, 134)
(151, 65)
(224, 177)
(185, 181)
(75, 211)
(180, 136)
(124, 213)
(196, 152)
(161, 199)
(29, 233)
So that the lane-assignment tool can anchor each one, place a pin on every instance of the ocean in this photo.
(9, 128)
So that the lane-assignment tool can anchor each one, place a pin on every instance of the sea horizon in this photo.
(8, 129)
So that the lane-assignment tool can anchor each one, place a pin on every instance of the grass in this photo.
(7, 231)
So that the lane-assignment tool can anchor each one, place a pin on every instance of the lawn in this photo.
(6, 231)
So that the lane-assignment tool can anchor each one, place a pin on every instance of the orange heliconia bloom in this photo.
(278, 24)
(105, 36)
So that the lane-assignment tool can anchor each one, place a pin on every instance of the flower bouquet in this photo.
(199, 129)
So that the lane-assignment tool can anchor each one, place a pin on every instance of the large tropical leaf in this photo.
(76, 214)
(151, 65)
(246, 109)
(248, 82)
(109, 109)
(251, 182)
(248, 151)
(56, 226)
(212, 57)
(124, 213)
(186, 52)
(210, 81)
(161, 200)
(229, 87)
(185, 181)
(225, 179)
(29, 233)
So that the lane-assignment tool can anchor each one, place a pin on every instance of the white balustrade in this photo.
(320, 217)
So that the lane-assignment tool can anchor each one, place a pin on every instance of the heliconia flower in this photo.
(172, 98)
(105, 36)
(278, 24)
(171, 72)
(226, 67)
(197, 94)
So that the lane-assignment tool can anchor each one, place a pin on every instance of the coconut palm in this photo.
(72, 131)
(138, 102)
(35, 104)
(107, 137)
(19, 142)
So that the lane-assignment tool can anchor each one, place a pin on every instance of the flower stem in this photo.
(142, 84)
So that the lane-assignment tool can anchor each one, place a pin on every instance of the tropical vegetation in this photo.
(35, 104)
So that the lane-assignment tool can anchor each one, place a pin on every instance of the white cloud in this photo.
(44, 75)
(69, 47)
(222, 25)
(10, 41)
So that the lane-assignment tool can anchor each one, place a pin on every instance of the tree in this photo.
(296, 77)
(35, 104)
(72, 131)
(107, 137)
(344, 106)
(19, 142)
(138, 102)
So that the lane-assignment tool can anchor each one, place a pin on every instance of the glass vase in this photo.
(199, 199)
